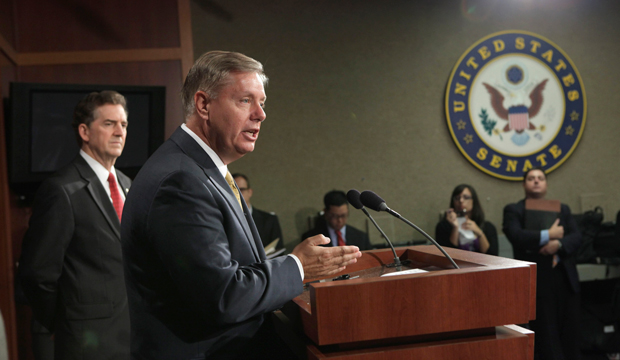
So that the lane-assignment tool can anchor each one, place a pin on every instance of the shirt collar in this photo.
(101, 172)
(332, 232)
(212, 154)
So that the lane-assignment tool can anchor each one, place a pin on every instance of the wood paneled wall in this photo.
(82, 42)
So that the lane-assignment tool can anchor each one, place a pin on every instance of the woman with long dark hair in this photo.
(463, 226)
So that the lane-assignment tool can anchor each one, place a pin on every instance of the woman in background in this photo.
(464, 217)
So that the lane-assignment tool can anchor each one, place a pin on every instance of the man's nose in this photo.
(119, 130)
(259, 113)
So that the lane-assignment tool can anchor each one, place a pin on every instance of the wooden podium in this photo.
(443, 313)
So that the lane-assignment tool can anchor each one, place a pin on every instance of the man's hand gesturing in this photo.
(319, 261)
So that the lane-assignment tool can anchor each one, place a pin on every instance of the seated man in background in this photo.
(335, 225)
(557, 282)
(267, 224)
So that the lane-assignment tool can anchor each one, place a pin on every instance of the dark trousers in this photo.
(556, 328)
(42, 342)
(264, 344)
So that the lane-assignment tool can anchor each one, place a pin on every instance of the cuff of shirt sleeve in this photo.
(544, 237)
(301, 269)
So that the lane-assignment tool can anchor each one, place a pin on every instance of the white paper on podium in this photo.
(465, 236)
(405, 272)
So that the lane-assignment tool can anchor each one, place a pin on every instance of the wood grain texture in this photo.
(185, 32)
(439, 301)
(77, 25)
(9, 54)
(7, 304)
(98, 56)
(506, 343)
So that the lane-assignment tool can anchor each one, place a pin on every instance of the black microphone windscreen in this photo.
(372, 200)
(353, 196)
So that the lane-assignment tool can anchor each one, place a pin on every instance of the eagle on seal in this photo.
(518, 115)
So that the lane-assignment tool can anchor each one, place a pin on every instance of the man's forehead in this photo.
(245, 83)
(536, 173)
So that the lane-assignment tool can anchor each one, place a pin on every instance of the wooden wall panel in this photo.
(6, 21)
(7, 304)
(162, 73)
(72, 25)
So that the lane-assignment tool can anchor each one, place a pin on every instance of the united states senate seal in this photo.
(515, 100)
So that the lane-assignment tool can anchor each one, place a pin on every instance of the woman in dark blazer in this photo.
(465, 213)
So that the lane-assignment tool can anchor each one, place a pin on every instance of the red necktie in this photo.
(117, 200)
(340, 239)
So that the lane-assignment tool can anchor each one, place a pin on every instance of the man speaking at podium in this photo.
(197, 279)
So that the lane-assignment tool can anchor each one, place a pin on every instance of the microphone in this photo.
(375, 202)
(353, 196)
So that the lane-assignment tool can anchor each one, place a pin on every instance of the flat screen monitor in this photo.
(40, 139)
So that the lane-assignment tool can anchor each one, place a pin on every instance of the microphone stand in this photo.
(395, 214)
(397, 263)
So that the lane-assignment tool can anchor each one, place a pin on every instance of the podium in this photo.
(441, 313)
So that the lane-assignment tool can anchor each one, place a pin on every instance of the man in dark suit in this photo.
(334, 223)
(198, 283)
(557, 288)
(266, 223)
(71, 268)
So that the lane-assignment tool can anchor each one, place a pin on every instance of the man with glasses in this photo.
(267, 224)
(334, 223)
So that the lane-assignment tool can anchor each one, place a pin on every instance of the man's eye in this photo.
(245, 101)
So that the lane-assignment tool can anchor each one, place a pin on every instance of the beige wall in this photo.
(356, 100)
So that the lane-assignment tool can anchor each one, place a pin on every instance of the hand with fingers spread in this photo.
(319, 261)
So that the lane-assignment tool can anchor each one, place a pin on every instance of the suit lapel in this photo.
(124, 181)
(99, 195)
(193, 150)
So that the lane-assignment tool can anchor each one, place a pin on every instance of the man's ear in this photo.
(202, 103)
(84, 132)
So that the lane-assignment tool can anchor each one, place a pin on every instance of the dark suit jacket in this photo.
(268, 227)
(71, 266)
(352, 236)
(525, 243)
(196, 273)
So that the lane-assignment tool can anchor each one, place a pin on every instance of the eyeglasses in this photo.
(461, 197)
(244, 189)
(336, 216)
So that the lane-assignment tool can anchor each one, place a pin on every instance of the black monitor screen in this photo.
(53, 146)
(40, 138)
